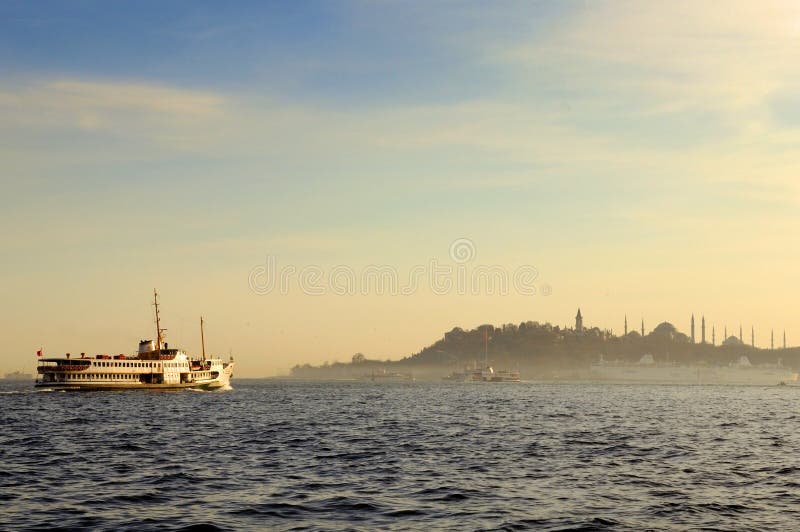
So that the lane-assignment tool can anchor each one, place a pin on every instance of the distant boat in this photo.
(18, 376)
(458, 376)
(485, 374)
(154, 366)
(488, 374)
(386, 376)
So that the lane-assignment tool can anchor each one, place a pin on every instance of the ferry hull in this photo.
(116, 386)
(220, 382)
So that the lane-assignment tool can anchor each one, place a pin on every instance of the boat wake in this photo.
(226, 388)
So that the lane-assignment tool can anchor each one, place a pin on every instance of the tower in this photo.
(725, 337)
(741, 338)
(626, 325)
(713, 335)
(703, 329)
(579, 322)
(784, 338)
(692, 328)
(772, 340)
(753, 336)
(642, 327)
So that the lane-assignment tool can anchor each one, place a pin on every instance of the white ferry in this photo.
(485, 374)
(154, 366)
(489, 374)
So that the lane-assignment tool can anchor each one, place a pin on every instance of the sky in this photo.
(285, 169)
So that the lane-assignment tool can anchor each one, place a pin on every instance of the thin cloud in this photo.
(169, 116)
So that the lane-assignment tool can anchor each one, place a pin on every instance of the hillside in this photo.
(544, 349)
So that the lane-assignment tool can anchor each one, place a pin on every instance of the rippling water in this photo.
(289, 455)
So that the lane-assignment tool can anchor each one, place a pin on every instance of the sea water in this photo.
(360, 455)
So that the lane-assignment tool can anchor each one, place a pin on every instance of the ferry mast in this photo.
(159, 330)
(202, 338)
(486, 348)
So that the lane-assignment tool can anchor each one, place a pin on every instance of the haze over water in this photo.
(366, 456)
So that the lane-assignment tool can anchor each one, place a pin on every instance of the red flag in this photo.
(39, 353)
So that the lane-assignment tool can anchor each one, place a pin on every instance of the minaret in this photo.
(741, 338)
(772, 340)
(692, 328)
(626, 325)
(643, 327)
(753, 336)
(703, 329)
(784, 338)
(713, 335)
(579, 322)
(726, 334)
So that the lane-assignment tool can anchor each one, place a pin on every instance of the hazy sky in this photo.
(643, 157)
